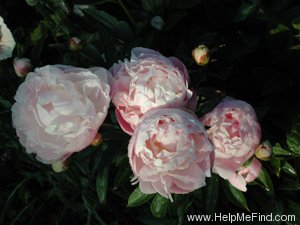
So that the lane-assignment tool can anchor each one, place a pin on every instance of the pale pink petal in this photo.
(170, 150)
(124, 125)
(59, 109)
(238, 182)
(149, 81)
(254, 167)
(235, 133)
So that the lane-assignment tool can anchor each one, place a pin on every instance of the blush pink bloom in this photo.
(169, 152)
(7, 41)
(149, 80)
(59, 109)
(235, 134)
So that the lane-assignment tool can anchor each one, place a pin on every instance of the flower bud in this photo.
(22, 66)
(75, 44)
(60, 166)
(264, 151)
(157, 22)
(201, 55)
(97, 140)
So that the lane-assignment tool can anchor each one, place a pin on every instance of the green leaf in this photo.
(150, 220)
(183, 202)
(235, 196)
(138, 198)
(153, 6)
(159, 206)
(32, 2)
(276, 165)
(292, 208)
(288, 168)
(279, 151)
(183, 4)
(289, 185)
(123, 173)
(212, 194)
(102, 184)
(246, 9)
(5, 103)
(265, 179)
(110, 153)
(279, 38)
(121, 29)
(293, 137)
(274, 206)
(296, 24)
(38, 33)
(279, 28)
(124, 31)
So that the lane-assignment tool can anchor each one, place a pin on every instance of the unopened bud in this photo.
(97, 140)
(201, 55)
(22, 66)
(75, 44)
(264, 151)
(60, 166)
(157, 22)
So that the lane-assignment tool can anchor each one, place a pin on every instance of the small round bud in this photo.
(264, 151)
(157, 22)
(75, 44)
(97, 140)
(201, 55)
(59, 166)
(22, 66)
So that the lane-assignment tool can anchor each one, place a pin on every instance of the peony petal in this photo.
(254, 167)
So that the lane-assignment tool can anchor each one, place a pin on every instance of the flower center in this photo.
(49, 107)
(233, 128)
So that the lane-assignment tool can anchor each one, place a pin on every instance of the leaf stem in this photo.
(127, 12)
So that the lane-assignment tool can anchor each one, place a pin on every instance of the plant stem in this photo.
(127, 12)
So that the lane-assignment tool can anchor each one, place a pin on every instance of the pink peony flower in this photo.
(7, 41)
(169, 152)
(59, 109)
(149, 80)
(235, 134)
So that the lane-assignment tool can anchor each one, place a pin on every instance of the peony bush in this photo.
(135, 112)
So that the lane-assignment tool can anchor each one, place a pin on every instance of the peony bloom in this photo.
(169, 152)
(7, 42)
(149, 80)
(235, 134)
(22, 66)
(59, 109)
